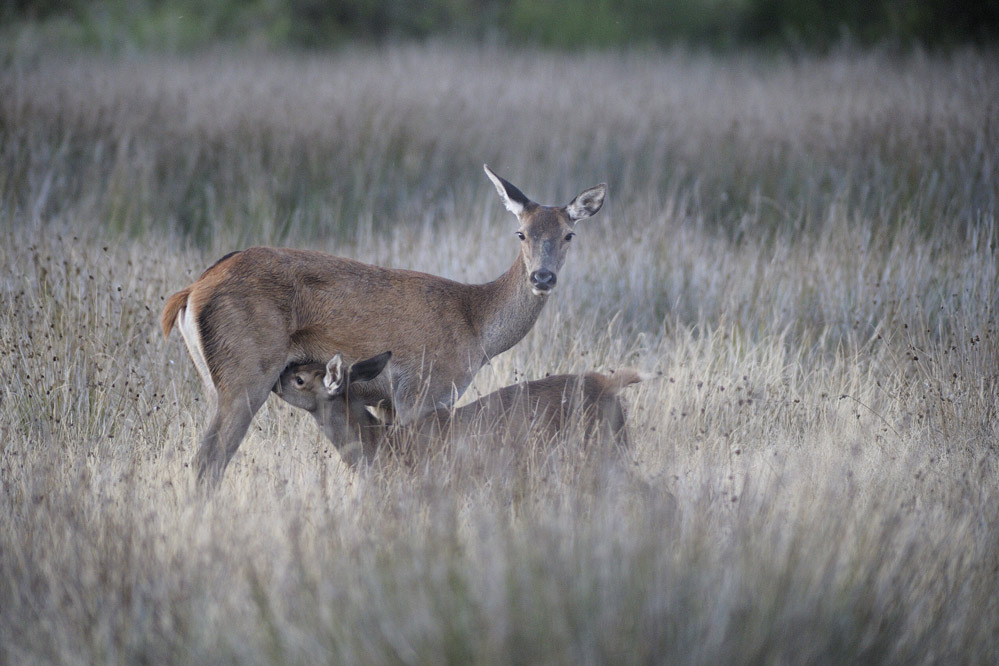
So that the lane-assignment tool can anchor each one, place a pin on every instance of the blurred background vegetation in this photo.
(178, 25)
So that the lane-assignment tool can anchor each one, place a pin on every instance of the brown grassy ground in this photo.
(805, 249)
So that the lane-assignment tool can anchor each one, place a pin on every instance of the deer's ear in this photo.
(513, 199)
(587, 203)
(368, 369)
(334, 379)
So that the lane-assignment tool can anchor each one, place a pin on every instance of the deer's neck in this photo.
(506, 309)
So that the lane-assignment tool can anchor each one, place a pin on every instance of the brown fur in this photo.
(343, 417)
(546, 407)
(543, 408)
(260, 309)
(173, 306)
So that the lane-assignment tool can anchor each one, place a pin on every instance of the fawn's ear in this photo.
(587, 203)
(334, 379)
(368, 369)
(513, 199)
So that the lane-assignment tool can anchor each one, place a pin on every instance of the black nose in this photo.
(543, 279)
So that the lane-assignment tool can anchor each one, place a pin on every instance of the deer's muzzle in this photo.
(542, 281)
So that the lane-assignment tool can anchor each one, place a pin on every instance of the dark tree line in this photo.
(809, 24)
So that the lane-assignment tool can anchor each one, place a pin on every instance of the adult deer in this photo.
(541, 408)
(257, 310)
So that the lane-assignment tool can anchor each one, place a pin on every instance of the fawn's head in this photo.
(301, 385)
(309, 385)
(545, 231)
(339, 376)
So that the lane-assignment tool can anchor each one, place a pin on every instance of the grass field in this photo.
(804, 248)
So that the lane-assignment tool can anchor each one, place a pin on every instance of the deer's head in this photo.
(545, 231)
(339, 376)
(311, 385)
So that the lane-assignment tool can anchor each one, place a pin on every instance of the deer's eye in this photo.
(568, 236)
(521, 236)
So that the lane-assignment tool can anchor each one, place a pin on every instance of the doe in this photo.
(257, 310)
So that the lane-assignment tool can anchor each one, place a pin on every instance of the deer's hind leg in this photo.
(239, 399)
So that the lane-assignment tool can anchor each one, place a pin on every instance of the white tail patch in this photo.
(189, 331)
(622, 377)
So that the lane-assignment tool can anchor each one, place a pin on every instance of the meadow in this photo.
(803, 249)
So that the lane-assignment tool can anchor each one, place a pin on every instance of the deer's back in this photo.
(313, 305)
(546, 406)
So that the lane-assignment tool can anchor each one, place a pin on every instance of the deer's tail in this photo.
(624, 377)
(174, 304)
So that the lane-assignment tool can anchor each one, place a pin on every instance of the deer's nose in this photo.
(543, 279)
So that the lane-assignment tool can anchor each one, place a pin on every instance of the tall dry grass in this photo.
(805, 249)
